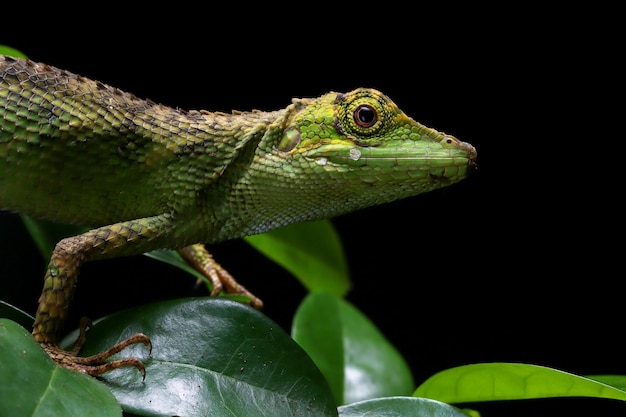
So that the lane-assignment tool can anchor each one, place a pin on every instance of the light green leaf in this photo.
(7, 50)
(311, 251)
(357, 360)
(31, 384)
(510, 381)
(617, 381)
(400, 407)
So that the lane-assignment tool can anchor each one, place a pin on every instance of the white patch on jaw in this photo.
(322, 161)
(355, 154)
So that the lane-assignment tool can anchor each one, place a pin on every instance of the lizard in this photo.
(144, 176)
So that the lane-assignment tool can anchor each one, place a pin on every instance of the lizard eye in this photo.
(365, 116)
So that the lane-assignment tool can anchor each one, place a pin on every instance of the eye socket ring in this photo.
(365, 116)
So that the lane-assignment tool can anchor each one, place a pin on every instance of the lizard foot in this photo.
(199, 258)
(97, 364)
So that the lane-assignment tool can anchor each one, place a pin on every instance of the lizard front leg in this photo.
(126, 238)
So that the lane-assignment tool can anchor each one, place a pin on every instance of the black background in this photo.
(521, 262)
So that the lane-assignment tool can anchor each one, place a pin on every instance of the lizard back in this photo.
(78, 151)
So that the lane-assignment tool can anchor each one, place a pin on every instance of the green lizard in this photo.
(145, 176)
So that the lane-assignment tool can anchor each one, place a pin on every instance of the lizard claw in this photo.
(97, 364)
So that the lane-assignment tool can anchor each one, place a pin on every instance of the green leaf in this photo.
(510, 381)
(211, 357)
(617, 381)
(311, 251)
(356, 359)
(7, 311)
(31, 384)
(7, 50)
(400, 407)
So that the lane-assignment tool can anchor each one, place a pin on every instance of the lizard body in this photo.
(146, 176)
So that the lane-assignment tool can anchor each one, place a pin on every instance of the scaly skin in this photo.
(145, 176)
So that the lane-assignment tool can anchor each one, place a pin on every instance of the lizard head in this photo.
(364, 143)
(345, 151)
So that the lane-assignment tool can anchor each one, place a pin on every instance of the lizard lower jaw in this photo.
(471, 155)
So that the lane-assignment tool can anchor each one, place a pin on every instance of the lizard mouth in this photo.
(414, 154)
(472, 165)
(471, 155)
(440, 162)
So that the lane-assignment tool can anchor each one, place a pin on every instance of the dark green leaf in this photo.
(510, 381)
(31, 384)
(7, 311)
(173, 258)
(400, 407)
(311, 251)
(356, 359)
(211, 357)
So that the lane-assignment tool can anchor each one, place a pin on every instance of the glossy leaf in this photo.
(356, 359)
(311, 251)
(31, 384)
(211, 357)
(400, 407)
(510, 381)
